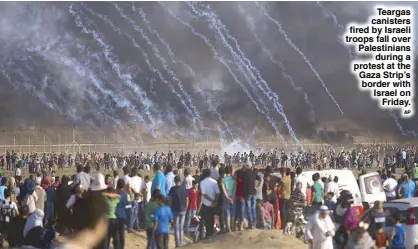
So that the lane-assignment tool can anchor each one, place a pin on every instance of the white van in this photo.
(370, 189)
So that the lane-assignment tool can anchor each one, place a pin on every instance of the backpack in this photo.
(7, 212)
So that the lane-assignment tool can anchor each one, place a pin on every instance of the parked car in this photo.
(408, 210)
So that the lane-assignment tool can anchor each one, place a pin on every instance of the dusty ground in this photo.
(249, 239)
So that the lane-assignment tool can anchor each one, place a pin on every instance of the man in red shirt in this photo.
(240, 200)
(191, 209)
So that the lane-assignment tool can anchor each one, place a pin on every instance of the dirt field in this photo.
(250, 239)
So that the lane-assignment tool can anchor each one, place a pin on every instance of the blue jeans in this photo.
(189, 216)
(128, 220)
(250, 204)
(179, 218)
(229, 209)
(240, 210)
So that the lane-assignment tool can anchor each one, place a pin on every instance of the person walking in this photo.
(320, 230)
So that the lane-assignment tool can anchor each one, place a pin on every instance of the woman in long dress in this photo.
(320, 230)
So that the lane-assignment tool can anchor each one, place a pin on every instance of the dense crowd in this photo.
(246, 191)
(359, 156)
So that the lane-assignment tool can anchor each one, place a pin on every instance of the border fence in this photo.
(42, 141)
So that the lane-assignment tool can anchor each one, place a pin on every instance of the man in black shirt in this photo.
(179, 202)
(250, 192)
(197, 177)
(269, 189)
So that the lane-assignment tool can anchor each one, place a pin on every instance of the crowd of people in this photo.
(246, 191)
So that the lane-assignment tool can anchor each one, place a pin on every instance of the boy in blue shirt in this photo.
(162, 218)
(159, 181)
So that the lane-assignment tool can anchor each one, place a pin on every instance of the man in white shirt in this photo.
(138, 185)
(169, 178)
(333, 188)
(300, 178)
(126, 178)
(209, 189)
(389, 185)
(214, 171)
(148, 183)
(18, 171)
(188, 179)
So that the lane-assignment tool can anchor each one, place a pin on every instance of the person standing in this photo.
(333, 188)
(210, 193)
(389, 186)
(162, 218)
(50, 198)
(138, 188)
(317, 192)
(250, 192)
(169, 178)
(179, 201)
(149, 210)
(121, 214)
(158, 183)
(40, 193)
(191, 208)
(228, 189)
(285, 191)
(188, 179)
(320, 230)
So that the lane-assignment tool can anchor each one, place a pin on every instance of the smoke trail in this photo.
(84, 72)
(289, 41)
(113, 61)
(164, 42)
(282, 67)
(338, 26)
(207, 96)
(136, 45)
(222, 61)
(245, 71)
(406, 133)
(192, 110)
(248, 65)
(32, 90)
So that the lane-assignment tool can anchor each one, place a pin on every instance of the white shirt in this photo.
(149, 185)
(18, 172)
(188, 182)
(210, 188)
(169, 181)
(138, 185)
(214, 173)
(333, 188)
(126, 179)
(303, 181)
(259, 193)
(390, 184)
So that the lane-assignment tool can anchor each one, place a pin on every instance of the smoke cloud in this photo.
(105, 64)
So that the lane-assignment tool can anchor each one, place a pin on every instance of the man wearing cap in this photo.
(320, 230)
